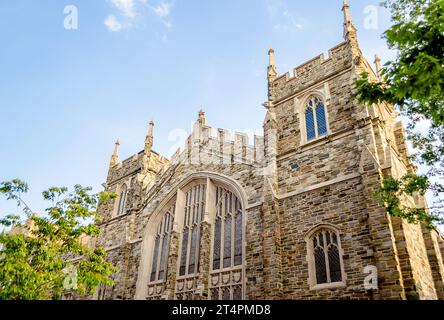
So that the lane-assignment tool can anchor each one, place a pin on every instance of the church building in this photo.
(290, 215)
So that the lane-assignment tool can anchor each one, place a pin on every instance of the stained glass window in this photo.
(310, 126)
(321, 268)
(216, 250)
(215, 294)
(163, 257)
(238, 239)
(237, 294)
(192, 262)
(122, 201)
(227, 242)
(226, 270)
(334, 264)
(327, 258)
(315, 118)
(194, 213)
(183, 259)
(228, 245)
(156, 253)
(320, 118)
(226, 294)
(161, 244)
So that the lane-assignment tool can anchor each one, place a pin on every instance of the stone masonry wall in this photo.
(431, 238)
(303, 166)
(341, 205)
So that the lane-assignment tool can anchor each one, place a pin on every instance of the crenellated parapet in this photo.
(138, 163)
(341, 58)
(205, 145)
(312, 72)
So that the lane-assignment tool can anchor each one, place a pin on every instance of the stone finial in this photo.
(378, 66)
(149, 137)
(115, 156)
(271, 57)
(272, 72)
(349, 27)
(202, 120)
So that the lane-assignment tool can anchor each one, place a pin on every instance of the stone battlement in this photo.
(205, 145)
(312, 71)
(210, 146)
(134, 164)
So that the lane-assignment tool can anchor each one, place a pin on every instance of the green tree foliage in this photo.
(35, 259)
(414, 83)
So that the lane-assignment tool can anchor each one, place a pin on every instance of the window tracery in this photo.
(315, 118)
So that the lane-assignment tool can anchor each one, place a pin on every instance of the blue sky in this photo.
(66, 95)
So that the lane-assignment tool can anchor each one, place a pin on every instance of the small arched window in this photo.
(122, 200)
(315, 118)
(325, 258)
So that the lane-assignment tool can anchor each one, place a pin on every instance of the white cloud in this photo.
(281, 18)
(163, 9)
(273, 7)
(113, 24)
(126, 7)
(127, 11)
(168, 24)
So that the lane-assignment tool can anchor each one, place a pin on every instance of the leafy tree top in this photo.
(35, 261)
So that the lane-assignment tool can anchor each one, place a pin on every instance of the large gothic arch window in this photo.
(206, 214)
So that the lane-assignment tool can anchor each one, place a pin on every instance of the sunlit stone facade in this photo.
(291, 216)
